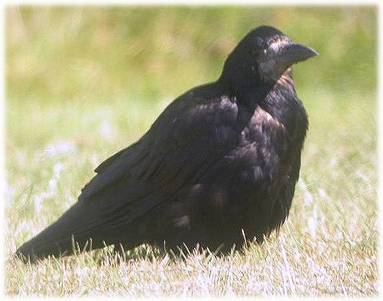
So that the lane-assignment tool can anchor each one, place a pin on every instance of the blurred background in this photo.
(141, 57)
(59, 53)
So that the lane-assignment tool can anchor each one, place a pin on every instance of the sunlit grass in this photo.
(287, 266)
(84, 83)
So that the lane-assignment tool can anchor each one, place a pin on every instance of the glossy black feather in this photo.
(221, 160)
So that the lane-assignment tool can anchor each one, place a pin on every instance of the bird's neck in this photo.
(283, 104)
(281, 97)
(243, 91)
(278, 98)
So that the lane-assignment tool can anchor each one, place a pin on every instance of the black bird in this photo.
(219, 164)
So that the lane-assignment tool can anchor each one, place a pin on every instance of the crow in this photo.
(217, 167)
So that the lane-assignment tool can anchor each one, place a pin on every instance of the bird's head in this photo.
(264, 54)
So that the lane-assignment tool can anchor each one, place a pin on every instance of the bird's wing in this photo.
(186, 139)
(193, 133)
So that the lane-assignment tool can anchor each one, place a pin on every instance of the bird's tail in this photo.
(77, 229)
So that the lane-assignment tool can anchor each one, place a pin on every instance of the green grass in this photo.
(83, 82)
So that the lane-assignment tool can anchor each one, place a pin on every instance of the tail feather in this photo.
(74, 229)
(96, 223)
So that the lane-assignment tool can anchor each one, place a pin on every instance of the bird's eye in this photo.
(258, 52)
(258, 48)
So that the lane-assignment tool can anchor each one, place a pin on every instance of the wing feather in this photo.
(189, 136)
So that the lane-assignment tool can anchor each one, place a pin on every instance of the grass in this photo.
(284, 266)
(81, 83)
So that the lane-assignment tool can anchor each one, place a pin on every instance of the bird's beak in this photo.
(294, 53)
(280, 56)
